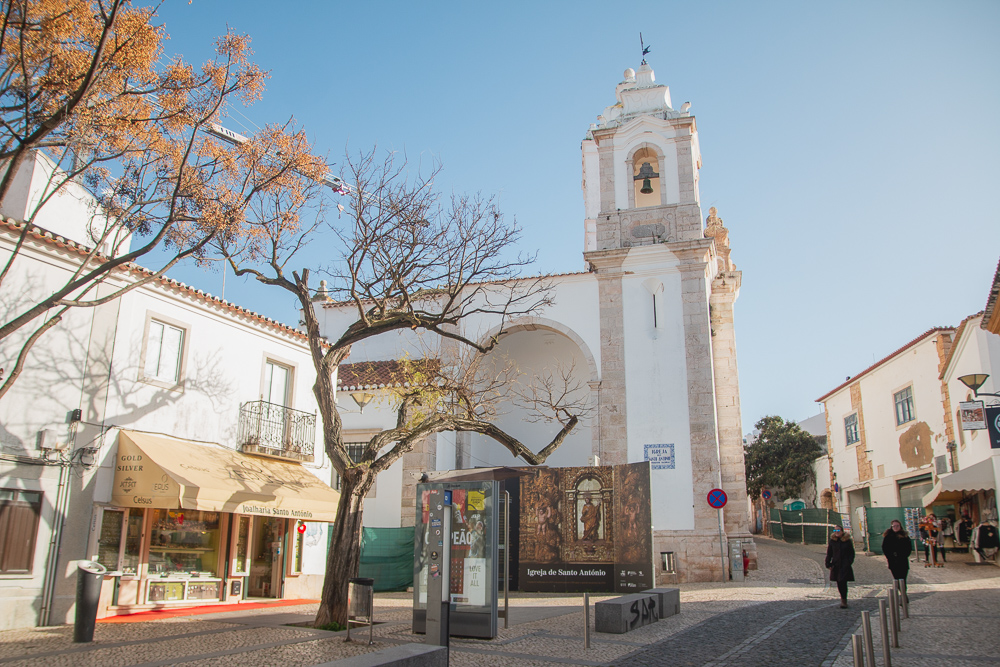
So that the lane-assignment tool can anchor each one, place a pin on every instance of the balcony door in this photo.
(277, 385)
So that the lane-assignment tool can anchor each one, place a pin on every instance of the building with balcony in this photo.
(895, 430)
(167, 434)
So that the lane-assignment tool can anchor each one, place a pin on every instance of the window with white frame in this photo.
(851, 428)
(163, 352)
(904, 406)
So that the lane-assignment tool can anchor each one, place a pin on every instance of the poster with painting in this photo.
(586, 529)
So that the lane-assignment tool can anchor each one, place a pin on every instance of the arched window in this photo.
(646, 177)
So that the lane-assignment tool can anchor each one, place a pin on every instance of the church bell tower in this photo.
(666, 288)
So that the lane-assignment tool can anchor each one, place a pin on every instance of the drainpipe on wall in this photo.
(51, 563)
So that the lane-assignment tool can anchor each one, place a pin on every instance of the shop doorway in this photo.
(266, 557)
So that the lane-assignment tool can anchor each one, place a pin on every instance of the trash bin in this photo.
(360, 600)
(89, 577)
(360, 596)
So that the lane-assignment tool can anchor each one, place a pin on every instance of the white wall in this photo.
(657, 400)
(977, 351)
(71, 212)
(916, 366)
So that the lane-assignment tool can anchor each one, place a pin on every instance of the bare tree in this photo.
(86, 102)
(404, 262)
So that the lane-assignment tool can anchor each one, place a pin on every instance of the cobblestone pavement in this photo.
(784, 614)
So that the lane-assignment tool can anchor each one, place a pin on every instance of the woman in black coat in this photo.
(896, 547)
(839, 558)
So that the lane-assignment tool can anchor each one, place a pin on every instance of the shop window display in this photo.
(120, 542)
(184, 542)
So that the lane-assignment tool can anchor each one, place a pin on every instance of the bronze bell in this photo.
(645, 173)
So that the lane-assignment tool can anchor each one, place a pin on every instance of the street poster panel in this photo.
(586, 529)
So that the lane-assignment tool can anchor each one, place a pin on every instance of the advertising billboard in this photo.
(586, 529)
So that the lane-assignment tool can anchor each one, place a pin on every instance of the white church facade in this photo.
(648, 329)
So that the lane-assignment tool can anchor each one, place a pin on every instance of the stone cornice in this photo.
(693, 254)
(607, 262)
(727, 281)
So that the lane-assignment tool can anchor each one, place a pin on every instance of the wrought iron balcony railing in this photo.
(273, 430)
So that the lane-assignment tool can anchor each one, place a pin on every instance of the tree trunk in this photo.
(344, 554)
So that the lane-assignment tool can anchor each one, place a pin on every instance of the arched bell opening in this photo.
(646, 177)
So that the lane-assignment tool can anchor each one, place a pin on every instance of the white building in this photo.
(167, 388)
(974, 464)
(648, 329)
(895, 432)
(887, 427)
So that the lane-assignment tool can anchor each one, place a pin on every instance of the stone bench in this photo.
(626, 613)
(401, 655)
(669, 600)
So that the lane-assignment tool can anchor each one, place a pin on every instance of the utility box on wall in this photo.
(736, 560)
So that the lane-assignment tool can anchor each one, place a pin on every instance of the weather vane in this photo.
(645, 49)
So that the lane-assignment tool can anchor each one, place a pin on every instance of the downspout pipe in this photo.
(55, 540)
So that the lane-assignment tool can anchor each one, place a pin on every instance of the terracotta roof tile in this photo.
(378, 374)
(40, 234)
(991, 316)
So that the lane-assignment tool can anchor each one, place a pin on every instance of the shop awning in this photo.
(169, 473)
(977, 477)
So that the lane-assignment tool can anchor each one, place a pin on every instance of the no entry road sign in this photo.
(717, 498)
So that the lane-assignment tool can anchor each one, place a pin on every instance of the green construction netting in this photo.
(387, 557)
(807, 526)
(877, 520)
(774, 520)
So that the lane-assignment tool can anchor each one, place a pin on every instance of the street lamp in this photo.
(974, 382)
(362, 398)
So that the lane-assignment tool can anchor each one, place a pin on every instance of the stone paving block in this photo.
(669, 600)
(403, 655)
(626, 613)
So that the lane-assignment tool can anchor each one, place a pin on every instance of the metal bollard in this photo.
(893, 619)
(866, 629)
(883, 619)
(894, 610)
(904, 599)
(371, 615)
(859, 654)
(586, 620)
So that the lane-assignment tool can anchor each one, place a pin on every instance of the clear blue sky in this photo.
(853, 149)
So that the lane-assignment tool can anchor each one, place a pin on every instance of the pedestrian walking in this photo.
(839, 559)
(896, 547)
(930, 534)
(746, 563)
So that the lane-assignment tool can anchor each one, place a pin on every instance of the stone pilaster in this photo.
(612, 444)
(865, 472)
(725, 289)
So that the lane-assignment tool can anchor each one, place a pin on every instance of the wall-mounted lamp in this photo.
(362, 398)
(974, 382)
